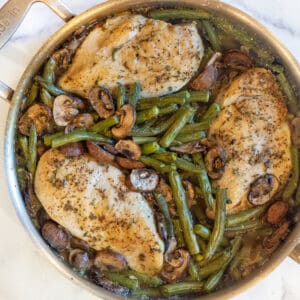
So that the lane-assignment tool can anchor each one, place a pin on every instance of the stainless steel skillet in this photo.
(10, 17)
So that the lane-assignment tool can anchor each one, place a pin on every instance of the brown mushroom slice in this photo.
(55, 235)
(237, 59)
(109, 260)
(129, 149)
(262, 189)
(143, 180)
(127, 116)
(80, 121)
(189, 148)
(215, 160)
(38, 115)
(99, 153)
(176, 266)
(277, 236)
(110, 148)
(102, 102)
(79, 259)
(190, 193)
(65, 108)
(79, 244)
(276, 212)
(130, 164)
(72, 149)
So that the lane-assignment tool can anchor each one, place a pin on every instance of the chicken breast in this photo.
(252, 129)
(93, 203)
(131, 48)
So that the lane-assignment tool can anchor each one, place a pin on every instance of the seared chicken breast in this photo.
(254, 133)
(93, 203)
(131, 48)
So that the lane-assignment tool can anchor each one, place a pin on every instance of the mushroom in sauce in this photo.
(80, 121)
(129, 149)
(72, 149)
(109, 260)
(189, 148)
(38, 115)
(79, 259)
(215, 162)
(142, 180)
(236, 59)
(101, 155)
(130, 164)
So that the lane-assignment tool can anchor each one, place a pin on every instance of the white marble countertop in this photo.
(24, 273)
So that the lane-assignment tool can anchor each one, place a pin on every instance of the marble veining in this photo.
(24, 273)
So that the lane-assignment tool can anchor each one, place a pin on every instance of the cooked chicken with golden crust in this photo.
(93, 203)
(132, 48)
(254, 133)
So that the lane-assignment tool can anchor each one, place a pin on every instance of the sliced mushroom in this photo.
(110, 148)
(161, 225)
(170, 247)
(102, 102)
(38, 115)
(176, 266)
(99, 153)
(32, 203)
(130, 164)
(41, 148)
(190, 193)
(237, 59)
(215, 162)
(109, 260)
(80, 121)
(129, 149)
(63, 59)
(189, 148)
(55, 235)
(143, 180)
(72, 149)
(79, 244)
(262, 189)
(277, 235)
(42, 217)
(79, 259)
(277, 211)
(127, 117)
(65, 108)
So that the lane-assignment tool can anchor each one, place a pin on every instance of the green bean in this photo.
(193, 270)
(49, 137)
(150, 148)
(147, 114)
(120, 96)
(190, 137)
(169, 14)
(32, 150)
(153, 163)
(219, 224)
(77, 136)
(50, 87)
(293, 181)
(246, 226)
(181, 288)
(153, 131)
(23, 141)
(191, 128)
(169, 168)
(22, 178)
(178, 233)
(143, 140)
(199, 96)
(185, 165)
(46, 98)
(211, 35)
(276, 68)
(245, 215)
(233, 267)
(105, 124)
(168, 109)
(163, 206)
(203, 181)
(148, 292)
(289, 92)
(202, 244)
(49, 70)
(143, 279)
(166, 157)
(211, 112)
(123, 280)
(33, 93)
(134, 93)
(202, 231)
(183, 212)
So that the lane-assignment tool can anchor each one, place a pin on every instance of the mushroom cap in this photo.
(129, 149)
(38, 114)
(127, 116)
(79, 259)
(130, 164)
(110, 260)
(80, 121)
(72, 149)
(237, 59)
(102, 102)
(143, 180)
(99, 153)
(215, 162)
(262, 189)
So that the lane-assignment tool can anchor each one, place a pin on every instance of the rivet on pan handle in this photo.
(11, 15)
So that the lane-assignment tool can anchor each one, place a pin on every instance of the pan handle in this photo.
(11, 15)
(295, 255)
